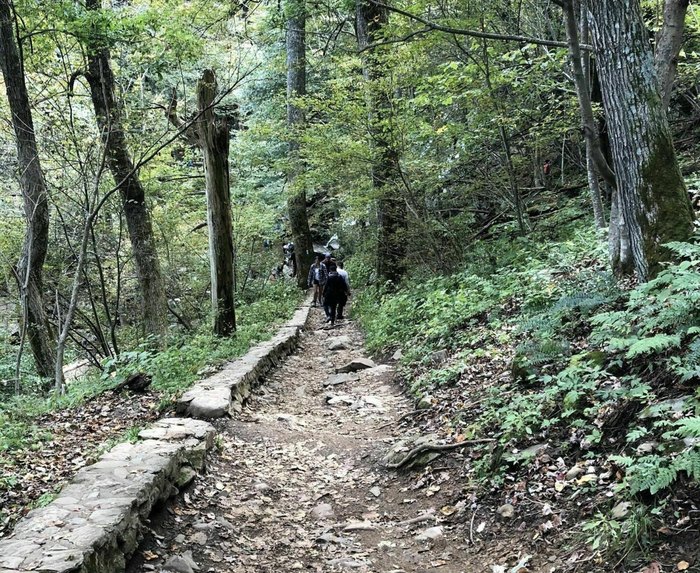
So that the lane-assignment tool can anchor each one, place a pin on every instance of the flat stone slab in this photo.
(355, 365)
(224, 393)
(95, 522)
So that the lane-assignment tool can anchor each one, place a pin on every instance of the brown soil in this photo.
(298, 484)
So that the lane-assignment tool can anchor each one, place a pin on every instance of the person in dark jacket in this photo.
(318, 274)
(334, 293)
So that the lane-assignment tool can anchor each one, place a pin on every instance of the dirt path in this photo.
(297, 483)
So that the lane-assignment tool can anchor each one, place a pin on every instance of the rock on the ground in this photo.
(339, 343)
(337, 379)
(398, 355)
(506, 511)
(322, 511)
(181, 563)
(430, 534)
(186, 475)
(381, 369)
(425, 402)
(355, 365)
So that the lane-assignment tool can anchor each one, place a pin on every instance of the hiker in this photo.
(327, 260)
(335, 292)
(341, 305)
(547, 168)
(317, 279)
(290, 257)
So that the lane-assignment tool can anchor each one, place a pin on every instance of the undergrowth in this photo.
(172, 369)
(604, 373)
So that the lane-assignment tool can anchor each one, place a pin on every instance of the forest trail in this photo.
(298, 484)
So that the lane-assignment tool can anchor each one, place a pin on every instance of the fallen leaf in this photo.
(149, 555)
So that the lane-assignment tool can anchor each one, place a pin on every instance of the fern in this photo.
(688, 427)
(689, 462)
(653, 344)
(636, 434)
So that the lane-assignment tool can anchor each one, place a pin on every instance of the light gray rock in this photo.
(398, 355)
(574, 472)
(339, 343)
(373, 401)
(177, 564)
(262, 487)
(355, 365)
(347, 563)
(186, 476)
(425, 402)
(332, 400)
(506, 511)
(322, 511)
(430, 534)
(337, 379)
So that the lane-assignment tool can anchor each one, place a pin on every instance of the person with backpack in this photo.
(335, 292)
(341, 305)
(318, 275)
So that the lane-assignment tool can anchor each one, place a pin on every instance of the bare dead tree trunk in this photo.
(213, 135)
(34, 194)
(668, 46)
(652, 202)
(133, 196)
(371, 18)
(296, 87)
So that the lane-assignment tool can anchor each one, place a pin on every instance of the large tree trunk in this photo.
(136, 213)
(296, 87)
(34, 194)
(213, 135)
(653, 205)
(391, 207)
(668, 46)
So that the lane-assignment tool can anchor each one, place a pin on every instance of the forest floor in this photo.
(62, 442)
(297, 483)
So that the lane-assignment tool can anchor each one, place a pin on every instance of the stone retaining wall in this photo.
(224, 392)
(95, 522)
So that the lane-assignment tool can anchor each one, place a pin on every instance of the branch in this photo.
(188, 131)
(473, 33)
(418, 450)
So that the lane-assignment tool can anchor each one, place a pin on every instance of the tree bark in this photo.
(133, 196)
(296, 87)
(213, 135)
(34, 194)
(653, 207)
(588, 123)
(668, 46)
(591, 171)
(371, 18)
